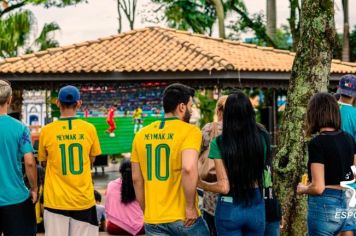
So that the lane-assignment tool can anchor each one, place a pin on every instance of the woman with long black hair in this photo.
(123, 211)
(239, 161)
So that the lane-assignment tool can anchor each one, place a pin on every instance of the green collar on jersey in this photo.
(170, 118)
(68, 118)
(163, 121)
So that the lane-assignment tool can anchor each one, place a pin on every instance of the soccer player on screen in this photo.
(111, 122)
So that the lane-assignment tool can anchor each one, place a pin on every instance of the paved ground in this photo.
(101, 179)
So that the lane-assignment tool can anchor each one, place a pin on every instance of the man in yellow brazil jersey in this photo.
(165, 168)
(137, 119)
(69, 146)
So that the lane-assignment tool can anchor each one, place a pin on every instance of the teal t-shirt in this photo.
(15, 141)
(348, 119)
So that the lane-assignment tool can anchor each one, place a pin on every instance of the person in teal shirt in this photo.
(17, 212)
(347, 91)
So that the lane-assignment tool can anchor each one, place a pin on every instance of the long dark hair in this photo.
(241, 147)
(127, 189)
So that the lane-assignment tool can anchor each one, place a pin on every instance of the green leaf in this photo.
(14, 32)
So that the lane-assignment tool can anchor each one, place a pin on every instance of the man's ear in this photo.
(9, 100)
(58, 103)
(180, 107)
(79, 104)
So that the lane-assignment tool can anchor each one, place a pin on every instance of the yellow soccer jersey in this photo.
(137, 114)
(158, 148)
(67, 145)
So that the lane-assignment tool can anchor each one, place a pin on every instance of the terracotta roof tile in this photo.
(158, 49)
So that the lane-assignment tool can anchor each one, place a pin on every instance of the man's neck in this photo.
(345, 100)
(171, 115)
(68, 113)
(3, 110)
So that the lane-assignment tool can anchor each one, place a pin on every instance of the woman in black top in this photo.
(331, 155)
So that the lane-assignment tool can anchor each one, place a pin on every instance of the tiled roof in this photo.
(158, 49)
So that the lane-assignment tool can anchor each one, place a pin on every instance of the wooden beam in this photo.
(203, 78)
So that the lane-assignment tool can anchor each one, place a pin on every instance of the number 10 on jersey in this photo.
(160, 149)
(69, 152)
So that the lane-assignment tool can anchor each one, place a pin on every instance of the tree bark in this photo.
(271, 12)
(221, 17)
(310, 74)
(346, 36)
(294, 22)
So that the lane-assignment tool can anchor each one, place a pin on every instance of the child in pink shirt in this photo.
(123, 212)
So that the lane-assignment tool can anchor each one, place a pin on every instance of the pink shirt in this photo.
(128, 217)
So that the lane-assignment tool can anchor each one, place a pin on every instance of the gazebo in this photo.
(159, 55)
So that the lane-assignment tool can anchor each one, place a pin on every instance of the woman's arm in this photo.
(317, 186)
(222, 185)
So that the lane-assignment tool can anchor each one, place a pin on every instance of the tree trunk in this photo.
(221, 17)
(271, 11)
(310, 74)
(294, 22)
(346, 36)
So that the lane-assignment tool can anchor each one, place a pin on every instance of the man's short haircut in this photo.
(5, 92)
(176, 94)
(345, 96)
(68, 105)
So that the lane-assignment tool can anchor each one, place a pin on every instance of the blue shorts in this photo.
(350, 224)
(328, 213)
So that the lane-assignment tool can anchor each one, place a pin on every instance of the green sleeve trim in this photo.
(214, 152)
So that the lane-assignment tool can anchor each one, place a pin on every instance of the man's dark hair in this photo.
(176, 94)
(97, 196)
(68, 105)
(345, 96)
